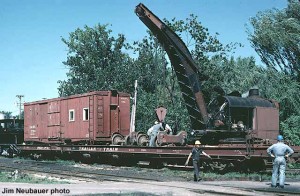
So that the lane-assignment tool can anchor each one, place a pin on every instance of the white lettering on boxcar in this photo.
(32, 132)
(124, 99)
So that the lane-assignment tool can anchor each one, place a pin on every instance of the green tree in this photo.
(231, 74)
(7, 114)
(276, 36)
(96, 62)
(291, 129)
(156, 89)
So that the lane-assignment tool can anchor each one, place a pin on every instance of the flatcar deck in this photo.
(222, 155)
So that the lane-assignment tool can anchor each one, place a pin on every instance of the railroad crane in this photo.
(228, 118)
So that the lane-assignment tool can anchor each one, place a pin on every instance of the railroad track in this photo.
(71, 172)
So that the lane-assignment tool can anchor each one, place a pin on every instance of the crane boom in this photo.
(183, 64)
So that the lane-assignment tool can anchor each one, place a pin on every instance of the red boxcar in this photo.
(86, 118)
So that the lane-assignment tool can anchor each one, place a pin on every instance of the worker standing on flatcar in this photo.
(279, 151)
(152, 133)
(195, 154)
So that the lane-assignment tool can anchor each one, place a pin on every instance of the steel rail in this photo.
(95, 175)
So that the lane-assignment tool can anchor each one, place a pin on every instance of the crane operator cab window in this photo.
(241, 119)
(225, 117)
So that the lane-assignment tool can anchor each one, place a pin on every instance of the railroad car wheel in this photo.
(117, 139)
(127, 141)
(142, 139)
(157, 143)
(183, 142)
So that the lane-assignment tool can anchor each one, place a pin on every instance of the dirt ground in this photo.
(173, 188)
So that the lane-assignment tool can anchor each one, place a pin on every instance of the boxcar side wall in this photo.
(103, 114)
(124, 114)
(92, 117)
(29, 122)
(35, 122)
(73, 126)
(114, 114)
(53, 128)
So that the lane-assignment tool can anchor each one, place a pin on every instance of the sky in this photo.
(31, 50)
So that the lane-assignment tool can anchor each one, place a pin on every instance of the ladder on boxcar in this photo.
(91, 119)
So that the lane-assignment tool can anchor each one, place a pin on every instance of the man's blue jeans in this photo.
(152, 140)
(279, 164)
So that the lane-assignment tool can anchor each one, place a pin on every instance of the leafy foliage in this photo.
(7, 114)
(291, 129)
(276, 38)
(95, 61)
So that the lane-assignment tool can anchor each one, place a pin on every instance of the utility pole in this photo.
(20, 104)
(132, 120)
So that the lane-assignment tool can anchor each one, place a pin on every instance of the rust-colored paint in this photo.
(161, 113)
(266, 123)
(50, 120)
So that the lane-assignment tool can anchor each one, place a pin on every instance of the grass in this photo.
(244, 176)
(54, 160)
(62, 162)
(294, 165)
(26, 178)
(235, 176)
(211, 176)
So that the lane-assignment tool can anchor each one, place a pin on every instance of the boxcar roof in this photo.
(101, 93)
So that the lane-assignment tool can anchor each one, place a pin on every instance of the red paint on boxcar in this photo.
(90, 118)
